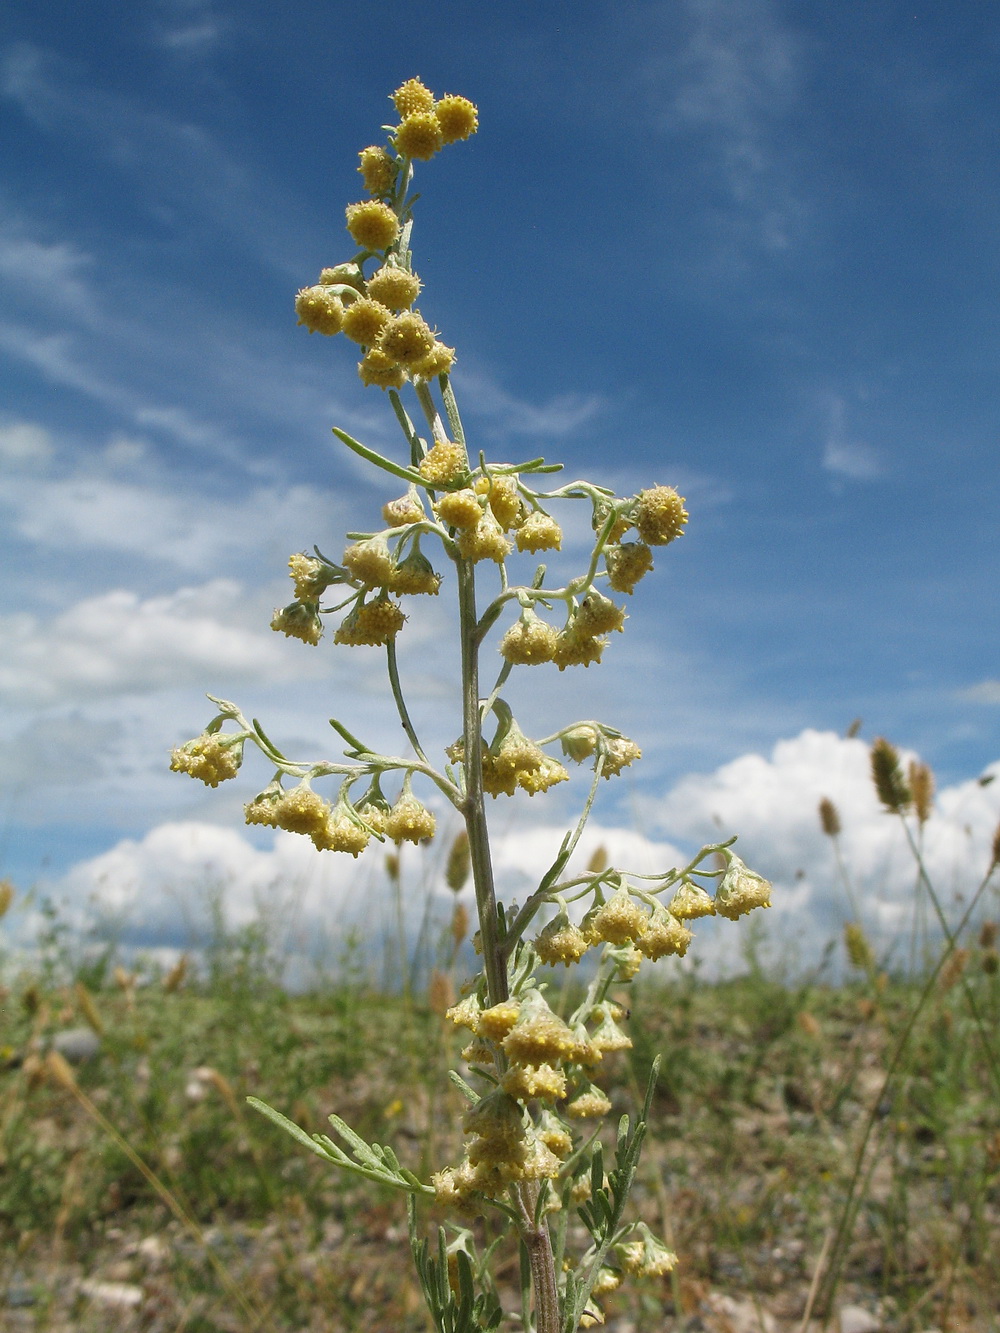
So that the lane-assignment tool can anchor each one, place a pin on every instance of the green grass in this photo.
(758, 1160)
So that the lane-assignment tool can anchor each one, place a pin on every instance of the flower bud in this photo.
(320, 310)
(343, 275)
(378, 371)
(665, 935)
(364, 321)
(659, 515)
(394, 287)
(626, 564)
(530, 641)
(620, 920)
(538, 1037)
(411, 97)
(406, 338)
(486, 541)
(419, 136)
(690, 902)
(378, 170)
(370, 562)
(372, 224)
(457, 117)
(407, 509)
(741, 890)
(438, 361)
(211, 758)
(443, 463)
(299, 620)
(588, 1104)
(539, 532)
(645, 1256)
(560, 941)
(409, 820)
(460, 509)
(371, 624)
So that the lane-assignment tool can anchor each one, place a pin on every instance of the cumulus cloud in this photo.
(116, 643)
(772, 802)
(160, 889)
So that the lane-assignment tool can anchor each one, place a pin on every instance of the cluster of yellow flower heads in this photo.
(545, 1060)
(375, 311)
(342, 827)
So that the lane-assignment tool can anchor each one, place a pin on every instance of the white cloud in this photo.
(772, 804)
(116, 643)
(734, 79)
(23, 444)
(91, 511)
(985, 692)
(847, 457)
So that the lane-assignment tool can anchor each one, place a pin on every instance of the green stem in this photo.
(473, 806)
(451, 409)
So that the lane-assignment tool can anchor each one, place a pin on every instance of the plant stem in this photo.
(473, 808)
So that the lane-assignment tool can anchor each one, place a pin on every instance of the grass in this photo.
(791, 1125)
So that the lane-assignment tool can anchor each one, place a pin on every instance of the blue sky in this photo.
(742, 246)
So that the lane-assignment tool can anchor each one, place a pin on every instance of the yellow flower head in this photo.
(378, 169)
(538, 1037)
(409, 820)
(579, 743)
(302, 810)
(664, 936)
(411, 97)
(660, 515)
(690, 902)
(299, 620)
(487, 541)
(320, 310)
(378, 371)
(496, 1116)
(372, 224)
(466, 1013)
(370, 562)
(741, 890)
(208, 758)
(371, 624)
(457, 117)
(503, 497)
(460, 509)
(364, 321)
(575, 649)
(530, 641)
(539, 532)
(554, 1134)
(444, 462)
(341, 834)
(620, 920)
(588, 1104)
(394, 287)
(494, 1023)
(626, 565)
(406, 338)
(619, 752)
(645, 1256)
(419, 136)
(540, 779)
(311, 576)
(263, 809)
(438, 361)
(599, 615)
(407, 509)
(540, 1162)
(527, 1081)
(415, 575)
(608, 1036)
(561, 941)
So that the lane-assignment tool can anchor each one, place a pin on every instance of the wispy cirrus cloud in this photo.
(733, 81)
(845, 456)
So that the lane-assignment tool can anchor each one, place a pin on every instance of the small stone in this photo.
(114, 1295)
(856, 1319)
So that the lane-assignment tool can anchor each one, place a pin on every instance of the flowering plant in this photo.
(533, 1150)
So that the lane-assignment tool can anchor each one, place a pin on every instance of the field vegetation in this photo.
(818, 1153)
